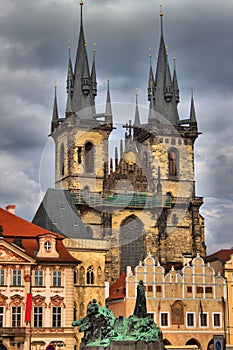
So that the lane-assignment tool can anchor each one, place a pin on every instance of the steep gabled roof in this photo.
(117, 290)
(29, 233)
(223, 255)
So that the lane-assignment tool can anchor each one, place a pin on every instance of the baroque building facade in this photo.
(144, 200)
(37, 298)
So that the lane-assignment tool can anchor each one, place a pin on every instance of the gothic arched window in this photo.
(62, 160)
(90, 275)
(89, 158)
(81, 275)
(132, 242)
(173, 162)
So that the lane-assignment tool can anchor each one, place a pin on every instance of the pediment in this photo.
(9, 253)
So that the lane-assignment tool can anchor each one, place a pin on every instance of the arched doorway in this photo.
(132, 242)
(193, 341)
(210, 345)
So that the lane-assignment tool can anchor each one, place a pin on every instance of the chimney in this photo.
(11, 208)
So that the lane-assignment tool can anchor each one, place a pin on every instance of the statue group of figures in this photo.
(100, 327)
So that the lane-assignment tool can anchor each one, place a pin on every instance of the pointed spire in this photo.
(151, 78)
(137, 122)
(121, 149)
(55, 115)
(165, 103)
(193, 118)
(175, 82)
(70, 74)
(69, 109)
(108, 108)
(82, 95)
(93, 74)
(116, 158)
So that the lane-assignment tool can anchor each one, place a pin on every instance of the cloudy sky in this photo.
(33, 45)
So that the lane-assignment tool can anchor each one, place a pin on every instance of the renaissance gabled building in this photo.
(144, 200)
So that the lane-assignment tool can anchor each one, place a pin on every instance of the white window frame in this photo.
(57, 277)
(220, 318)
(16, 277)
(55, 314)
(194, 319)
(38, 277)
(2, 316)
(37, 311)
(18, 311)
(207, 319)
(154, 315)
(168, 319)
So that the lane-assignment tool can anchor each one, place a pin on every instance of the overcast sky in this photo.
(33, 53)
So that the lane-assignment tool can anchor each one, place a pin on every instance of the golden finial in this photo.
(94, 44)
(108, 77)
(136, 91)
(161, 10)
(150, 49)
(69, 45)
(174, 53)
(55, 84)
(166, 50)
(81, 3)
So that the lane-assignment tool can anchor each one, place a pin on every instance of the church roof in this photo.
(15, 229)
(117, 290)
(58, 213)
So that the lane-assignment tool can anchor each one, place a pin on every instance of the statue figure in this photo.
(140, 309)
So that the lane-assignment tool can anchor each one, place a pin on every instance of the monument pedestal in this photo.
(126, 345)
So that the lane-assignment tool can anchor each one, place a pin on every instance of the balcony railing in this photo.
(122, 200)
(13, 331)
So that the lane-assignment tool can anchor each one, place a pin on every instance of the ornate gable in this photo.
(9, 254)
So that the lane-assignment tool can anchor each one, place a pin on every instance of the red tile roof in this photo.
(117, 290)
(223, 255)
(14, 226)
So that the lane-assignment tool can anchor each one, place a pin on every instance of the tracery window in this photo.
(90, 275)
(131, 242)
(89, 158)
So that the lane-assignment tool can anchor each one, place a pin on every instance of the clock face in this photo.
(47, 246)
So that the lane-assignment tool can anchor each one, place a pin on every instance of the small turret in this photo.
(70, 74)
(168, 88)
(55, 115)
(175, 83)
(193, 118)
(137, 122)
(93, 75)
(150, 80)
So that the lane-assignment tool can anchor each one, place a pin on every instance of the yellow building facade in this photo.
(188, 305)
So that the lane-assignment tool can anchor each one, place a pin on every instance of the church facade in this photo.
(143, 201)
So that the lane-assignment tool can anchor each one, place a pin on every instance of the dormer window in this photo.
(47, 246)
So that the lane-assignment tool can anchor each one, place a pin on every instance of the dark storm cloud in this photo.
(33, 45)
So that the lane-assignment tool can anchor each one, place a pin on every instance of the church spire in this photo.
(82, 95)
(55, 115)
(93, 75)
(137, 122)
(108, 108)
(165, 103)
(175, 82)
(151, 78)
(193, 118)
(70, 74)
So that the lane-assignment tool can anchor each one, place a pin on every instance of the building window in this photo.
(89, 158)
(152, 315)
(38, 316)
(150, 288)
(90, 275)
(56, 316)
(203, 319)
(158, 289)
(199, 290)
(62, 160)
(177, 313)
(56, 278)
(189, 289)
(217, 320)
(16, 277)
(1, 316)
(2, 277)
(16, 316)
(190, 319)
(208, 290)
(38, 278)
(47, 246)
(164, 319)
(173, 162)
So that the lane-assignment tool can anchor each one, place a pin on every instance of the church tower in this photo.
(144, 201)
